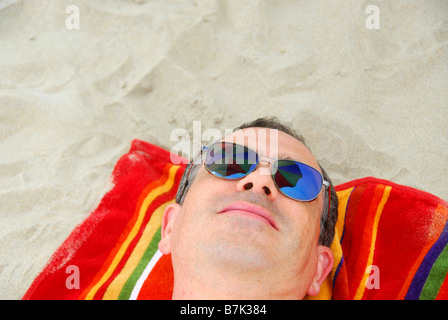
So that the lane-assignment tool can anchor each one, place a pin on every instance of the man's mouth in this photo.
(250, 210)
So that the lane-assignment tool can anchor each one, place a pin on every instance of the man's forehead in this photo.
(273, 143)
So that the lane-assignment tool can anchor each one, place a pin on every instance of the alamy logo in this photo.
(373, 280)
(72, 281)
(373, 20)
(188, 146)
(72, 21)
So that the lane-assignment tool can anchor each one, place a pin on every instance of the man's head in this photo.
(218, 253)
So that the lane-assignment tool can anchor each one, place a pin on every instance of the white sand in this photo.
(370, 102)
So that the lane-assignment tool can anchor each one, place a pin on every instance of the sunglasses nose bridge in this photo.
(268, 160)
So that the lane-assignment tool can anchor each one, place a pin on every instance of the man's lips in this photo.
(250, 210)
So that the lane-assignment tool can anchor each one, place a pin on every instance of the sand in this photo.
(370, 102)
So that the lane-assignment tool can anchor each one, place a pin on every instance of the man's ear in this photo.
(169, 216)
(324, 265)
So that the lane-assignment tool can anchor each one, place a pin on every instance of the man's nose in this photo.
(260, 181)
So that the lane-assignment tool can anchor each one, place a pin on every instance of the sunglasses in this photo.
(294, 179)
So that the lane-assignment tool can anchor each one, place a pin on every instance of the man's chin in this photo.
(239, 253)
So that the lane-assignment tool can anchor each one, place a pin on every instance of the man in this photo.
(257, 230)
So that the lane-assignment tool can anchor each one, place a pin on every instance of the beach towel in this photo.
(390, 242)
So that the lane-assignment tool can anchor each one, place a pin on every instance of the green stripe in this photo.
(435, 277)
(147, 256)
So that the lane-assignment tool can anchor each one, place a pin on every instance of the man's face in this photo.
(281, 247)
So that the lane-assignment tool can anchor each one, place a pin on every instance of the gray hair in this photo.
(330, 208)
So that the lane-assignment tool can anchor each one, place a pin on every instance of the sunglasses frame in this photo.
(270, 160)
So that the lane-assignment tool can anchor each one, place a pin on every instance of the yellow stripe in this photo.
(151, 196)
(326, 289)
(362, 285)
(114, 289)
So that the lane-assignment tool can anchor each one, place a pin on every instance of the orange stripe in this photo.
(362, 232)
(362, 285)
(125, 232)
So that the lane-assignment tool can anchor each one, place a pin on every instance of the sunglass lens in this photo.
(297, 180)
(230, 161)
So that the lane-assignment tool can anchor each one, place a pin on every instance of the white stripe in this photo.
(148, 269)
